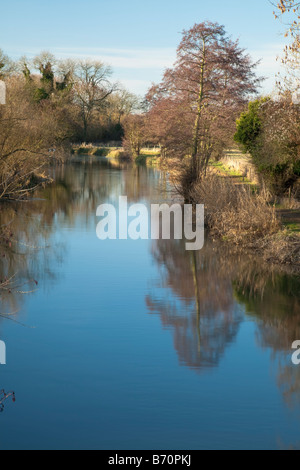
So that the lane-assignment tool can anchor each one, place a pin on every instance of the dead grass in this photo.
(245, 218)
(240, 214)
(234, 212)
(289, 203)
(283, 248)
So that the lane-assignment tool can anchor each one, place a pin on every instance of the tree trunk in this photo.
(195, 147)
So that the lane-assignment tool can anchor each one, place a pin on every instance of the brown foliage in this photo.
(134, 134)
(27, 131)
(233, 211)
(277, 153)
(193, 110)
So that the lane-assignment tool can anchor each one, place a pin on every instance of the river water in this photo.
(139, 344)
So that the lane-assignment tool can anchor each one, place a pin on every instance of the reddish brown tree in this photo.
(201, 94)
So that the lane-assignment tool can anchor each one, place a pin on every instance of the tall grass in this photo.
(234, 212)
(242, 217)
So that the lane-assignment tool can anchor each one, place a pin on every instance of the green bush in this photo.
(249, 126)
(270, 132)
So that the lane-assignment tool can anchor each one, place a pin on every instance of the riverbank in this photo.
(239, 215)
(149, 157)
(97, 151)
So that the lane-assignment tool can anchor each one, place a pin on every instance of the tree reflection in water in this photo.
(4, 397)
(203, 298)
(29, 255)
(29, 249)
(205, 318)
(215, 290)
(276, 309)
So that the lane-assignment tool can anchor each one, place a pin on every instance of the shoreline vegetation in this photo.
(204, 124)
(147, 156)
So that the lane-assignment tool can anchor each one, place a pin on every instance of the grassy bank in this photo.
(237, 215)
(91, 150)
(149, 157)
(287, 208)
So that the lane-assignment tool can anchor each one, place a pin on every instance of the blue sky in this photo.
(137, 38)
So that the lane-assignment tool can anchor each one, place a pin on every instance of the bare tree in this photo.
(7, 66)
(201, 95)
(135, 134)
(289, 9)
(27, 130)
(122, 103)
(289, 12)
(92, 87)
(65, 71)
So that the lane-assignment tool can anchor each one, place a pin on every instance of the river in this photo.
(124, 344)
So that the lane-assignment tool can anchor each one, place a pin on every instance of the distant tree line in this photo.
(204, 103)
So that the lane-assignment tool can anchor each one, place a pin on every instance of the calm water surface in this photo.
(140, 344)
